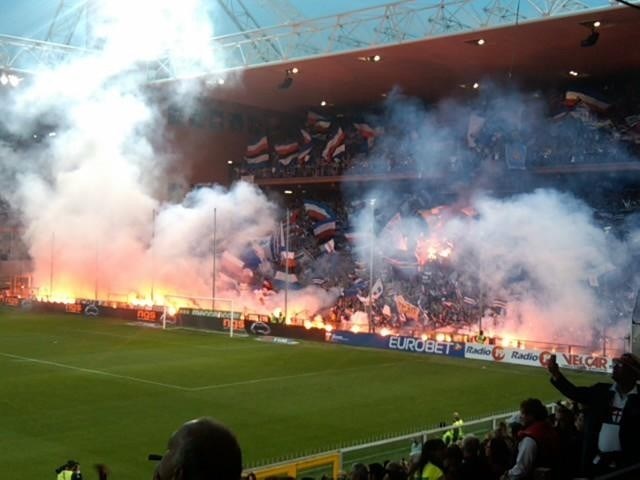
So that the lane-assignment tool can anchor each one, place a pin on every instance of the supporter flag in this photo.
(594, 101)
(367, 132)
(329, 246)
(407, 309)
(287, 152)
(235, 268)
(516, 156)
(288, 259)
(227, 280)
(325, 230)
(258, 147)
(335, 145)
(250, 257)
(470, 301)
(322, 126)
(406, 269)
(277, 242)
(633, 128)
(353, 290)
(281, 279)
(377, 289)
(306, 145)
(319, 123)
(499, 306)
(306, 136)
(476, 123)
(304, 256)
(318, 210)
(259, 160)
(304, 155)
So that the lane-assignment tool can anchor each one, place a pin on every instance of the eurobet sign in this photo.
(535, 358)
(417, 345)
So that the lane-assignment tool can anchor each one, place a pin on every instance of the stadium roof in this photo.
(427, 48)
(536, 53)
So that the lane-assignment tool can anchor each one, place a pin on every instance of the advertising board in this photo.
(418, 345)
(536, 358)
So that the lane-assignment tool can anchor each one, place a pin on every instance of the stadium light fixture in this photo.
(593, 37)
(286, 83)
(476, 86)
(323, 103)
(10, 79)
(288, 78)
(229, 162)
(573, 73)
(371, 58)
(288, 192)
(591, 40)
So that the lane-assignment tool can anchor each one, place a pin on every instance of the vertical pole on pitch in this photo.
(286, 266)
(213, 254)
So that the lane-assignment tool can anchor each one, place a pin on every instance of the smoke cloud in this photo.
(540, 251)
(90, 193)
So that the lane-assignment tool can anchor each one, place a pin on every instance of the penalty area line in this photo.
(94, 372)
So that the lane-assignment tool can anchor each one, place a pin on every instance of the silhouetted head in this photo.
(200, 450)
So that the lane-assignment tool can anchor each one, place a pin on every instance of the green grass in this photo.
(99, 390)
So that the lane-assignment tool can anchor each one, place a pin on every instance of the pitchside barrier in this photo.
(259, 325)
(393, 447)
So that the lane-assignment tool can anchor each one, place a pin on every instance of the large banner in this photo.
(536, 358)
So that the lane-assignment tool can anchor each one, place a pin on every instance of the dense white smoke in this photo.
(89, 194)
(540, 252)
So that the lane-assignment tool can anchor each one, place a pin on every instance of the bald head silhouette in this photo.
(201, 449)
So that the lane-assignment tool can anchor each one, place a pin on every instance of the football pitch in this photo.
(102, 391)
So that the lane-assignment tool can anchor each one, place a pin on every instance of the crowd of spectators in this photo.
(576, 128)
(416, 297)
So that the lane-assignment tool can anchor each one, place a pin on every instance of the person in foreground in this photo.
(538, 442)
(201, 449)
(612, 415)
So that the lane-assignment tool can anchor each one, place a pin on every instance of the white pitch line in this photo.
(287, 377)
(95, 372)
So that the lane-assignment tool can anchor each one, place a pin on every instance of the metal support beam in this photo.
(395, 23)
